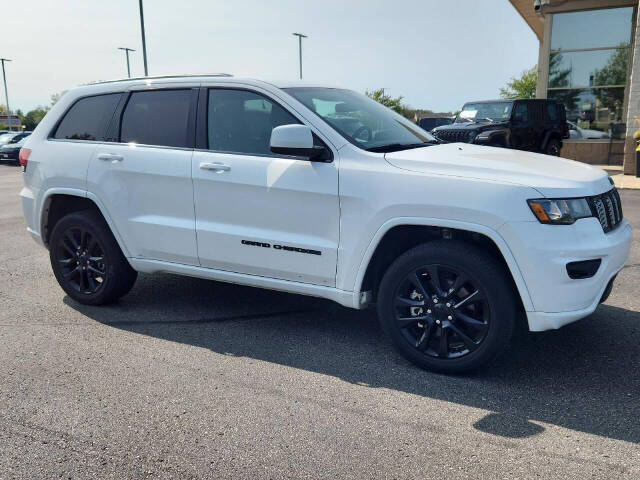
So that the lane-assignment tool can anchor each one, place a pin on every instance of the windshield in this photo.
(361, 120)
(4, 138)
(490, 111)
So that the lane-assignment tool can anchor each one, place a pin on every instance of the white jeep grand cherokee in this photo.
(324, 192)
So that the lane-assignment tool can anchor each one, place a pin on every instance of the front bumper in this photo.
(543, 251)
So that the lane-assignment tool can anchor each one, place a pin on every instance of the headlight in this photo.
(560, 211)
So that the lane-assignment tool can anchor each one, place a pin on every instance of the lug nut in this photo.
(437, 322)
(448, 304)
(428, 310)
(449, 317)
(435, 300)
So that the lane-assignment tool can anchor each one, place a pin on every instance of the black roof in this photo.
(513, 100)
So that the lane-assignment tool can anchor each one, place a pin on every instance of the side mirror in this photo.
(295, 140)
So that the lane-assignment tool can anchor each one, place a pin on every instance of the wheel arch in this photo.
(57, 203)
(500, 136)
(398, 235)
(549, 135)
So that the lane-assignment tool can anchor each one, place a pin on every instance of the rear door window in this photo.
(158, 117)
(88, 118)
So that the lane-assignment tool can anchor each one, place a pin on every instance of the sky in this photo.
(436, 54)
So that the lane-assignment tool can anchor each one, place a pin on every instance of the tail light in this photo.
(23, 156)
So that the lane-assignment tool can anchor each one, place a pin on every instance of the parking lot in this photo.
(188, 378)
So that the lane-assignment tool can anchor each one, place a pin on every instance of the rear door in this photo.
(76, 136)
(257, 212)
(144, 178)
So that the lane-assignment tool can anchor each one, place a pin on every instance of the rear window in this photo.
(88, 118)
(157, 117)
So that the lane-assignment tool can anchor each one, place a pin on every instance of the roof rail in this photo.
(162, 76)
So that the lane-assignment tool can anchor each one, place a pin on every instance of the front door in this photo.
(522, 134)
(256, 212)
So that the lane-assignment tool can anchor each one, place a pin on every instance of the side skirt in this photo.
(343, 297)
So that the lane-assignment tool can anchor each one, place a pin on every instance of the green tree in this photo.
(560, 77)
(388, 101)
(33, 117)
(613, 73)
(522, 87)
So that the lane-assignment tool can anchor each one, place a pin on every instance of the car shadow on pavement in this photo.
(582, 377)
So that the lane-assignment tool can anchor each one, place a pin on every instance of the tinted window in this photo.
(522, 112)
(88, 118)
(552, 111)
(591, 68)
(157, 117)
(592, 28)
(242, 121)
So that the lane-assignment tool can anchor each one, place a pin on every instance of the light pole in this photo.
(127, 50)
(300, 37)
(144, 41)
(6, 95)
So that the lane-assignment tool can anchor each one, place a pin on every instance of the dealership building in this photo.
(587, 60)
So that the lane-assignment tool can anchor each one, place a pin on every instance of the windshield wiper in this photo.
(395, 147)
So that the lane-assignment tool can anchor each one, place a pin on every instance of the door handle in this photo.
(215, 167)
(110, 157)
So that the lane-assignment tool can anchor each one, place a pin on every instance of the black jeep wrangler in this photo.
(534, 125)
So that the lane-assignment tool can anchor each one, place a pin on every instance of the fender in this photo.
(438, 222)
(546, 138)
(85, 194)
(43, 201)
(487, 137)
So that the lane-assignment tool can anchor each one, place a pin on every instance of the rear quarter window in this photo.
(88, 118)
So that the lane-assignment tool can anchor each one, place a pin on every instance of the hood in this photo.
(470, 126)
(553, 177)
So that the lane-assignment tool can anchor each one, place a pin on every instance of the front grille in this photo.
(607, 208)
(452, 136)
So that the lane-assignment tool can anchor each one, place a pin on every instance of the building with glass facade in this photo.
(587, 61)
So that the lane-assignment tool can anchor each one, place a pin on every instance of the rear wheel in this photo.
(447, 306)
(553, 148)
(87, 261)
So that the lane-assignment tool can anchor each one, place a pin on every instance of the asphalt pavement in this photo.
(193, 379)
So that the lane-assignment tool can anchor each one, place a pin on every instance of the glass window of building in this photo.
(589, 66)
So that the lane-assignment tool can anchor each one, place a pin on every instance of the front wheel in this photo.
(447, 306)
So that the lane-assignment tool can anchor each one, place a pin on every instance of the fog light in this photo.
(583, 269)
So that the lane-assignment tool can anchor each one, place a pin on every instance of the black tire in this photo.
(87, 261)
(553, 147)
(492, 307)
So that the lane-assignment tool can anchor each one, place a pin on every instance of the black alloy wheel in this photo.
(441, 312)
(87, 261)
(83, 263)
(447, 306)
